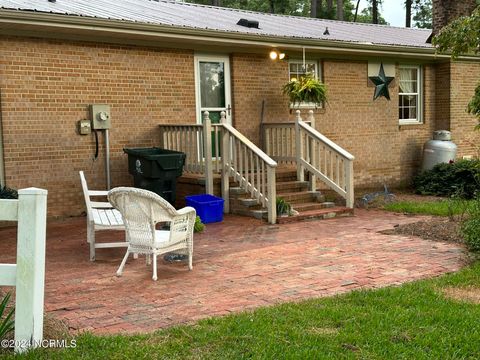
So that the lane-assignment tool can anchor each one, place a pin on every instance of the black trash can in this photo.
(156, 169)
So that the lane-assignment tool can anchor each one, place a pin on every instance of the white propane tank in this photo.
(439, 150)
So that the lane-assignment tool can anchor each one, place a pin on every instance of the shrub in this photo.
(199, 226)
(7, 193)
(283, 207)
(471, 233)
(461, 178)
(6, 322)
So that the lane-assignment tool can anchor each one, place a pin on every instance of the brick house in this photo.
(150, 60)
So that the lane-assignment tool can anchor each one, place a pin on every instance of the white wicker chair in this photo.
(141, 211)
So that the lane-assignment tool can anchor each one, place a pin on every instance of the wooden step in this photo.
(313, 206)
(292, 186)
(316, 214)
(282, 175)
(301, 197)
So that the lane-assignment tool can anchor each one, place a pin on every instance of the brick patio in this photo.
(239, 264)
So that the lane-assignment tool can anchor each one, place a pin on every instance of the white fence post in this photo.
(207, 152)
(299, 147)
(30, 279)
(225, 165)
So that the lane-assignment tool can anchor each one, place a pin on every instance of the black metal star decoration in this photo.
(381, 83)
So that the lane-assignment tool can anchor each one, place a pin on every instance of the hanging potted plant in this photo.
(305, 90)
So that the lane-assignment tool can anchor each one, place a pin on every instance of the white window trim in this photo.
(419, 119)
(305, 105)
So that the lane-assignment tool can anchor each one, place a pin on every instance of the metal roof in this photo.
(185, 15)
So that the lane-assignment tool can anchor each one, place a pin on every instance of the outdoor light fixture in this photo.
(274, 55)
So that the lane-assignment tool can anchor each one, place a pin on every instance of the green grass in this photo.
(439, 208)
(414, 321)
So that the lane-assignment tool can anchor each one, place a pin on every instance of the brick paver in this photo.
(239, 264)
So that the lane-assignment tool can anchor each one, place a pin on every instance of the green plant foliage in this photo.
(283, 207)
(6, 321)
(7, 193)
(471, 233)
(423, 14)
(306, 89)
(199, 226)
(461, 178)
(471, 227)
(473, 106)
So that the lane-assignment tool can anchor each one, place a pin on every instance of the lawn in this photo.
(438, 208)
(413, 321)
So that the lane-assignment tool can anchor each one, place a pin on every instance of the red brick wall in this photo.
(46, 87)
(445, 11)
(442, 102)
(255, 78)
(465, 76)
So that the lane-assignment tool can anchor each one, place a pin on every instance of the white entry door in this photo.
(212, 85)
(213, 94)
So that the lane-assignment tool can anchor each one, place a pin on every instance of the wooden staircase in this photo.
(309, 205)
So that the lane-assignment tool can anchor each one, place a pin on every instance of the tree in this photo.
(423, 14)
(365, 16)
(408, 13)
(340, 10)
(461, 37)
(374, 11)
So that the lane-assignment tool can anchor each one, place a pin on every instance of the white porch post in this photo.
(350, 198)
(299, 147)
(313, 154)
(207, 152)
(272, 195)
(32, 212)
(225, 165)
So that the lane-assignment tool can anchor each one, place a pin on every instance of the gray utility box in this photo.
(438, 150)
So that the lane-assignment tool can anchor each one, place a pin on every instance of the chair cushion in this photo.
(161, 238)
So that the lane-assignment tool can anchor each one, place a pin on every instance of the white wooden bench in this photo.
(100, 216)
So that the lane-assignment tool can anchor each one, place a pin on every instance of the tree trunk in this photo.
(374, 12)
(329, 7)
(340, 10)
(216, 2)
(272, 6)
(408, 13)
(356, 11)
(313, 8)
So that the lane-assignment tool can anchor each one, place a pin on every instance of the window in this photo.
(410, 94)
(296, 71)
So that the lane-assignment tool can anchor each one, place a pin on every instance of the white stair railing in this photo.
(234, 155)
(250, 167)
(28, 274)
(323, 159)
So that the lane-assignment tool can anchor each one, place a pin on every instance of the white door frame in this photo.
(228, 90)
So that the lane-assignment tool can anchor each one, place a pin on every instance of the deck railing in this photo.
(278, 141)
(28, 274)
(220, 148)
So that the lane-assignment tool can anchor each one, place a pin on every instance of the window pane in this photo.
(212, 83)
(408, 80)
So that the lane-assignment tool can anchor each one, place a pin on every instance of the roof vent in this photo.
(248, 23)
(326, 32)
